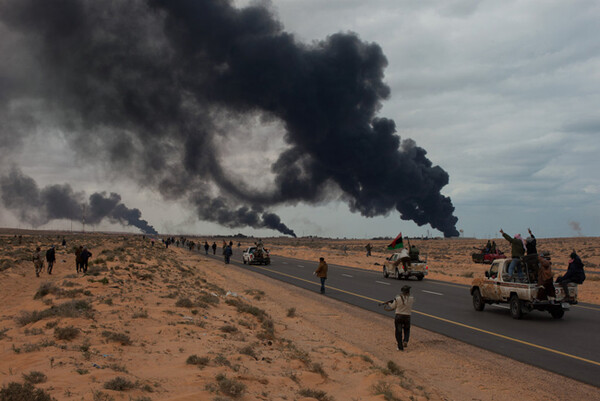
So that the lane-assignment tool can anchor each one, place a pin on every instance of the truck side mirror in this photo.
(487, 274)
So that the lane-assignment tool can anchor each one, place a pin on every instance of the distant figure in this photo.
(488, 247)
(574, 274)
(231, 244)
(78, 258)
(206, 247)
(64, 243)
(321, 273)
(214, 247)
(368, 248)
(50, 258)
(493, 247)
(345, 249)
(531, 243)
(84, 257)
(38, 262)
(517, 252)
(402, 305)
(227, 254)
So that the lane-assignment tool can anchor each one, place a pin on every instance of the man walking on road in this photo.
(402, 304)
(321, 272)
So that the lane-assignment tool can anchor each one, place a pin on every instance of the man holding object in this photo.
(402, 304)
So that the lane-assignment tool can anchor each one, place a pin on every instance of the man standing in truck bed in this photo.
(517, 252)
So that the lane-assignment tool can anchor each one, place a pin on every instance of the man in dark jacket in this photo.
(574, 274)
(50, 258)
(531, 243)
(227, 254)
(214, 248)
(84, 257)
(517, 252)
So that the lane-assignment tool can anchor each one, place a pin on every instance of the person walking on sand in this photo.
(50, 258)
(369, 248)
(402, 304)
(214, 248)
(206, 247)
(84, 257)
(38, 262)
(321, 273)
(78, 258)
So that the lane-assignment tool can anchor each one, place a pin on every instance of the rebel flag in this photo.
(396, 243)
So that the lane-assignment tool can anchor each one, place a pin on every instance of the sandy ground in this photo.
(149, 323)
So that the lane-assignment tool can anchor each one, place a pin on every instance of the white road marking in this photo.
(431, 292)
(285, 263)
(346, 275)
(501, 306)
(300, 266)
(381, 282)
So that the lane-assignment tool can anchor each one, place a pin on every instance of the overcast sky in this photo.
(503, 96)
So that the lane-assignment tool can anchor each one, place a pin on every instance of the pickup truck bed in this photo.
(521, 296)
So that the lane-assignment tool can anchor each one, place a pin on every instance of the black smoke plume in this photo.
(21, 194)
(147, 85)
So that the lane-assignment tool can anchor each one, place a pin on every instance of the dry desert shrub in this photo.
(230, 387)
(229, 329)
(316, 394)
(184, 303)
(102, 396)
(248, 350)
(45, 289)
(117, 337)
(35, 377)
(197, 360)
(66, 333)
(291, 312)
(119, 384)
(23, 392)
(383, 388)
(80, 308)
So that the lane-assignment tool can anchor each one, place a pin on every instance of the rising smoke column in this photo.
(21, 194)
(150, 81)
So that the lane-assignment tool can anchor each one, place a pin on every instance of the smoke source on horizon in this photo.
(21, 195)
(147, 85)
(575, 226)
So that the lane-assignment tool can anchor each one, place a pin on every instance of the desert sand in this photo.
(149, 323)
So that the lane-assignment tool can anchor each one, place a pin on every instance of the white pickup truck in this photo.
(522, 296)
(253, 257)
(392, 267)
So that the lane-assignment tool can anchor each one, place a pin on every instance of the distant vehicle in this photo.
(392, 267)
(256, 256)
(496, 288)
(487, 258)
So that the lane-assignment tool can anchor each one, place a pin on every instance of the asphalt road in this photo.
(568, 346)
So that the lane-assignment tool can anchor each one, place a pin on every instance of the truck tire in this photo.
(385, 273)
(557, 313)
(516, 310)
(478, 303)
(268, 262)
(420, 277)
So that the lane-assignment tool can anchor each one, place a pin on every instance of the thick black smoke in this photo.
(20, 194)
(147, 85)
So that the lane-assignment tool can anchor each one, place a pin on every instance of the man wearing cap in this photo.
(402, 304)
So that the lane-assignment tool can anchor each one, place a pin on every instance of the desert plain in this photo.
(150, 323)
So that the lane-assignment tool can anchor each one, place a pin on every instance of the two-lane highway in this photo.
(568, 346)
